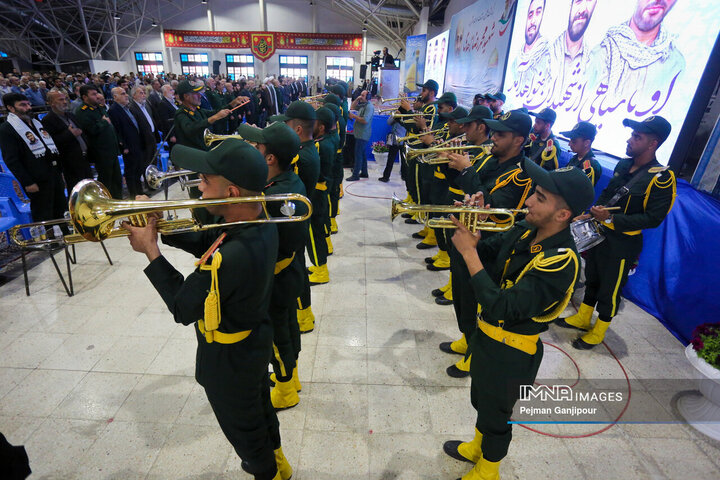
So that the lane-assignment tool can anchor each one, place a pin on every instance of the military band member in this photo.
(520, 280)
(301, 117)
(226, 299)
(102, 140)
(496, 101)
(581, 138)
(542, 147)
(331, 101)
(504, 185)
(645, 191)
(280, 144)
(317, 249)
(341, 93)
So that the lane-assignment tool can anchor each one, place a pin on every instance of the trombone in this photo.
(209, 138)
(434, 151)
(311, 98)
(93, 214)
(467, 215)
(155, 177)
(397, 99)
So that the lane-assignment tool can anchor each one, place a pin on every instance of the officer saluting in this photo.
(581, 138)
(521, 280)
(235, 273)
(645, 191)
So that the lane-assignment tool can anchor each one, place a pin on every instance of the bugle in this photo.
(155, 177)
(397, 99)
(467, 215)
(435, 151)
(209, 138)
(312, 97)
(93, 213)
(412, 136)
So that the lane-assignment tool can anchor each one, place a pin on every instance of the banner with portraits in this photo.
(605, 60)
(477, 49)
(436, 59)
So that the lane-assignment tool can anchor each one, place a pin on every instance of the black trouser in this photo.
(497, 371)
(393, 151)
(304, 300)
(283, 314)
(317, 245)
(49, 202)
(336, 184)
(438, 196)
(241, 402)
(605, 275)
(464, 301)
(411, 180)
(109, 174)
(134, 168)
(74, 170)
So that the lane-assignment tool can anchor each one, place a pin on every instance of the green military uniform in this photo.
(217, 102)
(340, 159)
(543, 152)
(589, 165)
(317, 249)
(504, 185)
(307, 166)
(189, 126)
(102, 146)
(522, 286)
(235, 337)
(645, 206)
(333, 192)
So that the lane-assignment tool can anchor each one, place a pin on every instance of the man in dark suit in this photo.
(143, 112)
(165, 114)
(387, 59)
(156, 94)
(31, 155)
(130, 138)
(62, 125)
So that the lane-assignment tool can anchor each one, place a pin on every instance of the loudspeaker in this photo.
(363, 71)
(216, 67)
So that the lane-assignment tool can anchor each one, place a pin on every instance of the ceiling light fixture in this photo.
(153, 24)
(116, 16)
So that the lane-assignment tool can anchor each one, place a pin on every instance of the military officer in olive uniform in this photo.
(543, 148)
(301, 117)
(191, 120)
(227, 298)
(101, 138)
(520, 279)
(581, 138)
(645, 191)
(501, 179)
(280, 144)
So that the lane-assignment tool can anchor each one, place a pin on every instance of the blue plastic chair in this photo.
(10, 188)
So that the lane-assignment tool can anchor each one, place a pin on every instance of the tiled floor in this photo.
(100, 385)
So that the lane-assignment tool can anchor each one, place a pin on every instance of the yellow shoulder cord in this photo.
(482, 164)
(514, 177)
(294, 163)
(669, 183)
(317, 146)
(539, 262)
(212, 301)
(548, 155)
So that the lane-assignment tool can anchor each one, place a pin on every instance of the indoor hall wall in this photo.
(286, 15)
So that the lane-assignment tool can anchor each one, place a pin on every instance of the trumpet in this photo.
(155, 177)
(413, 136)
(209, 138)
(93, 214)
(398, 99)
(312, 97)
(404, 115)
(468, 216)
(434, 151)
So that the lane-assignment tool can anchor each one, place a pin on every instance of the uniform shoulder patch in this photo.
(84, 107)
(657, 169)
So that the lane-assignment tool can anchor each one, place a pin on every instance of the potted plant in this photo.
(380, 152)
(703, 353)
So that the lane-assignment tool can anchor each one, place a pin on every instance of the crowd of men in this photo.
(98, 120)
